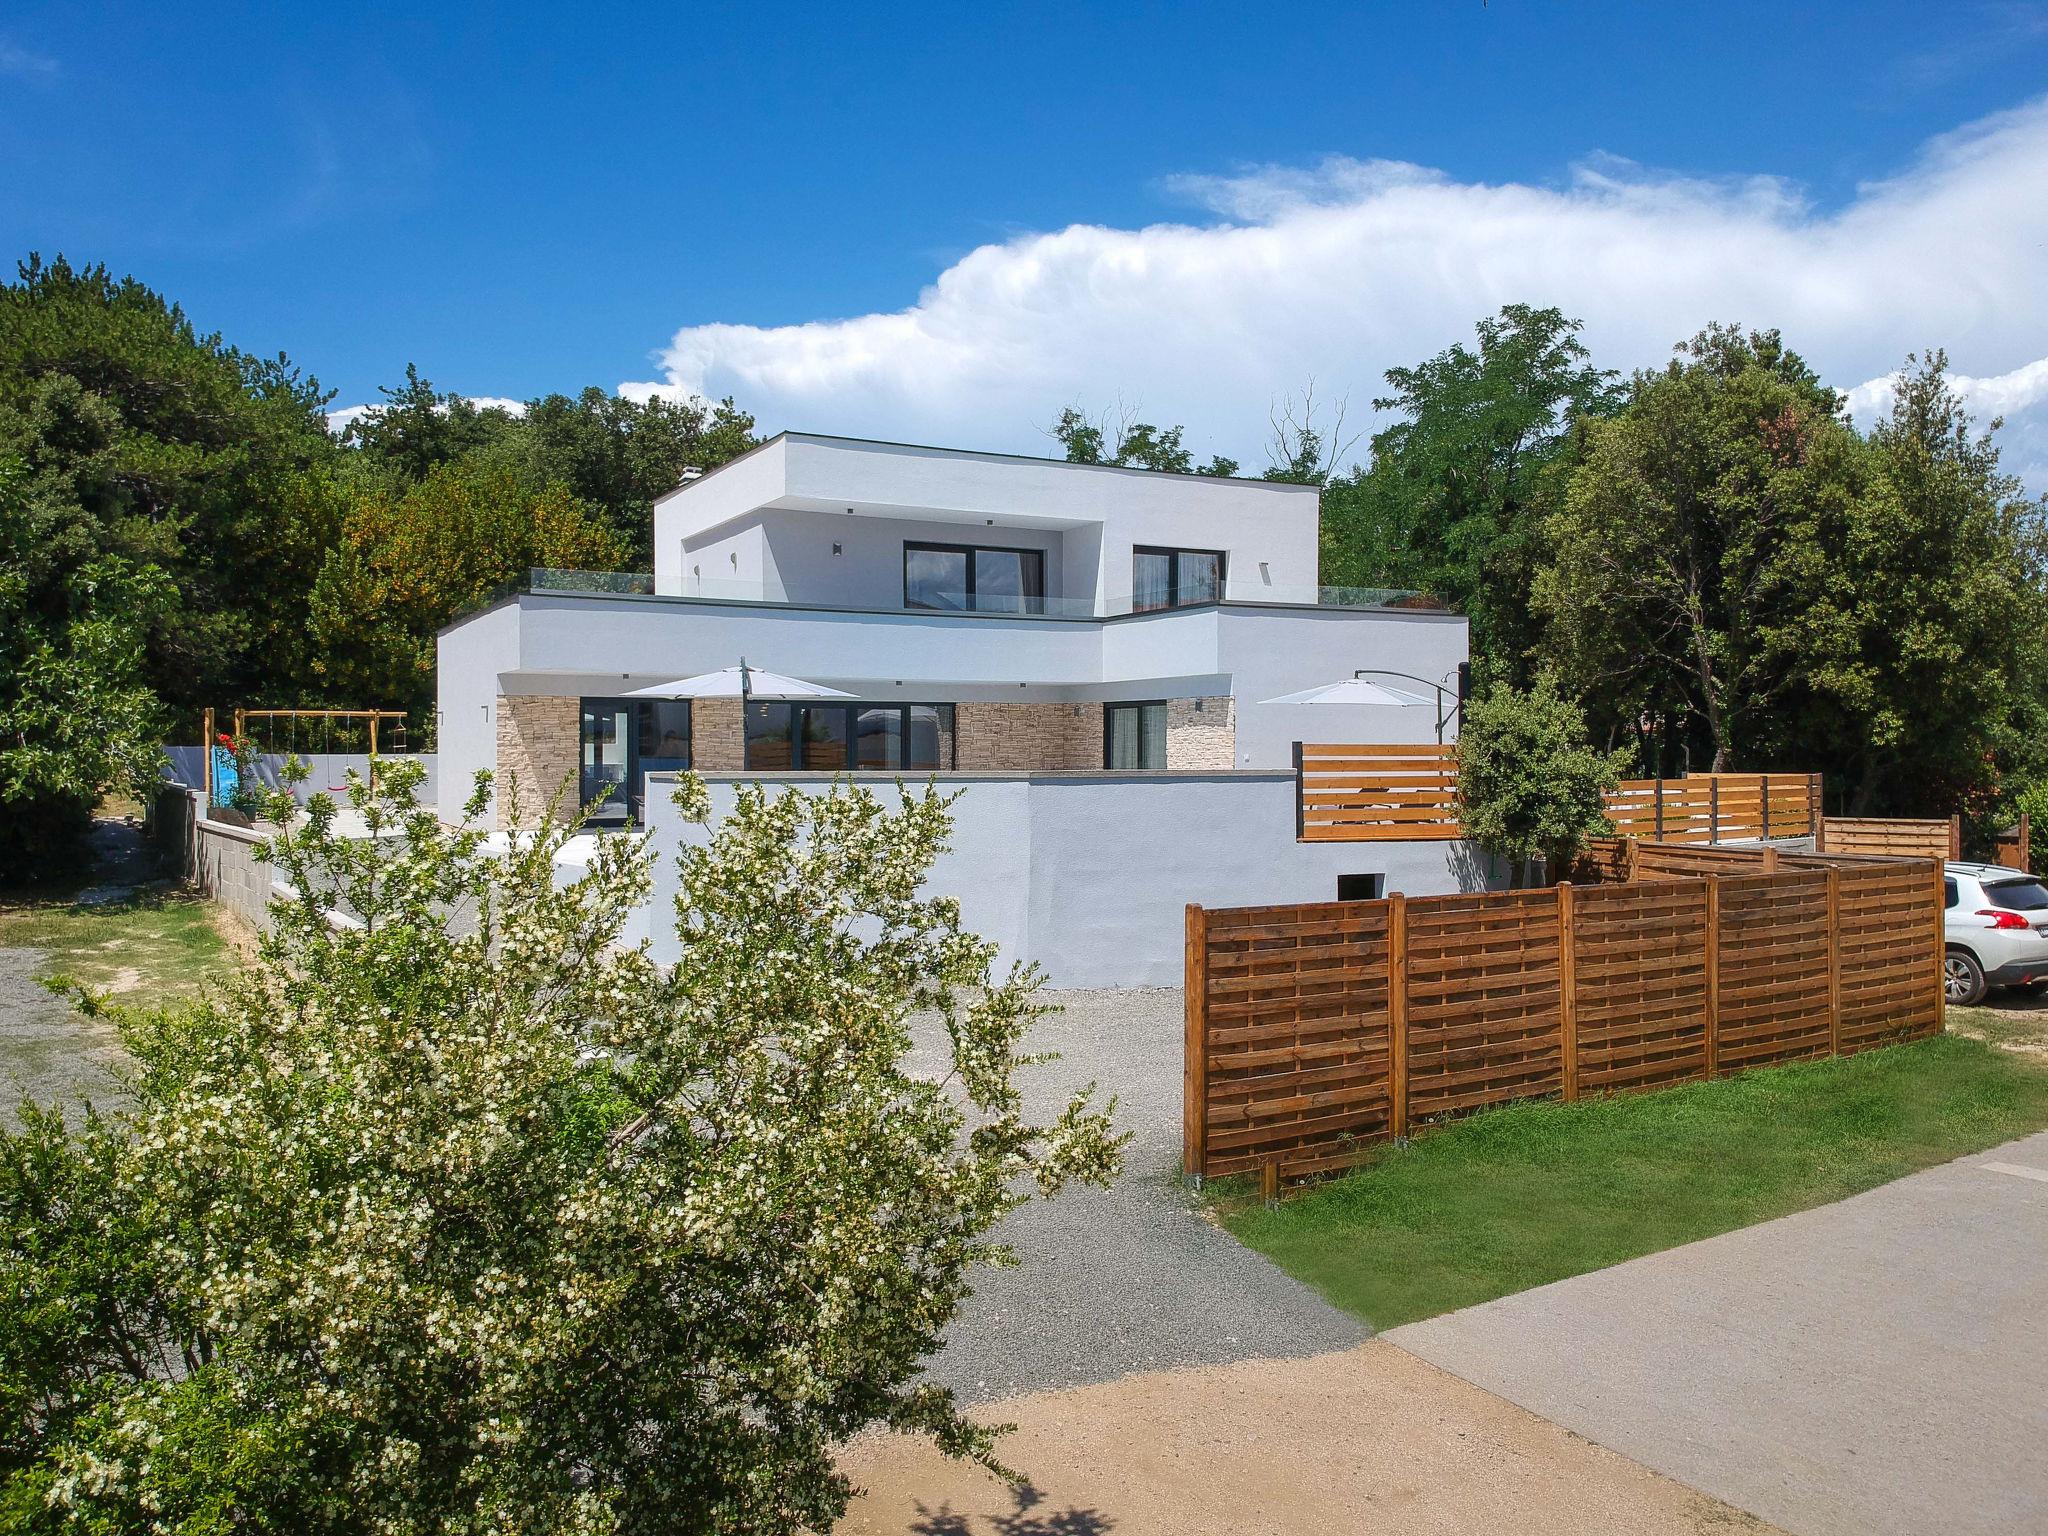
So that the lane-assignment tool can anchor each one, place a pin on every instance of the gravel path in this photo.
(48, 1051)
(1132, 1278)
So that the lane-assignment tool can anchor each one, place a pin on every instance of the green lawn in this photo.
(1521, 1196)
(144, 950)
(148, 948)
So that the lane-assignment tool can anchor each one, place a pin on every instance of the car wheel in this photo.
(1962, 978)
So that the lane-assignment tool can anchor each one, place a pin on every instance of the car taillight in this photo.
(2002, 919)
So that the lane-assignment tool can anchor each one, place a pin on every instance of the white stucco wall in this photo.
(1267, 530)
(468, 659)
(780, 555)
(327, 772)
(1089, 875)
(601, 645)
(1268, 652)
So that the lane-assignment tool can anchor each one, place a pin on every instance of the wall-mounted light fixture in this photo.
(835, 549)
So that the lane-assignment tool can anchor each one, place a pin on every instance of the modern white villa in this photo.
(1088, 652)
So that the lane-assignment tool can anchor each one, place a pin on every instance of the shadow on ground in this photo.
(1025, 1519)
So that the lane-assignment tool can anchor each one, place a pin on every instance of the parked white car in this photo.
(1997, 931)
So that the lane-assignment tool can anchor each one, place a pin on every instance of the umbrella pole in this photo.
(745, 766)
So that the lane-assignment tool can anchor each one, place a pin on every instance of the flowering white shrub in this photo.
(456, 1216)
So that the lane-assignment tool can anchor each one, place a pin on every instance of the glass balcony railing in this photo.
(542, 580)
(994, 605)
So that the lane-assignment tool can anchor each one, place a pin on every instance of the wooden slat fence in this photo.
(1376, 792)
(2014, 847)
(1891, 835)
(1316, 1031)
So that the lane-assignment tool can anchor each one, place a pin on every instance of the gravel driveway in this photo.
(49, 1051)
(1132, 1278)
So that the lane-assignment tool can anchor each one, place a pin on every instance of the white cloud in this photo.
(2003, 394)
(25, 63)
(339, 418)
(1342, 269)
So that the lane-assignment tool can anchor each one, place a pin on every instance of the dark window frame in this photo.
(632, 793)
(1173, 592)
(1109, 734)
(970, 550)
(949, 732)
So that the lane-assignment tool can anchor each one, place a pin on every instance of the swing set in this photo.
(321, 724)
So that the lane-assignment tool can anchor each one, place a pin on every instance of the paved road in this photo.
(1131, 1278)
(1875, 1366)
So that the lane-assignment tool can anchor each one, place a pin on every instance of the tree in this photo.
(622, 455)
(1683, 549)
(418, 428)
(1529, 784)
(77, 718)
(439, 1226)
(411, 558)
(1301, 448)
(143, 441)
(1917, 642)
(1131, 444)
(619, 455)
(1458, 491)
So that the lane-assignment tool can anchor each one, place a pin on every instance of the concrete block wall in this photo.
(224, 866)
(538, 744)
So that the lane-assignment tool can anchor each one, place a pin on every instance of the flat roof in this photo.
(790, 435)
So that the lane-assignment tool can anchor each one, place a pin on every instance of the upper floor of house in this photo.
(834, 522)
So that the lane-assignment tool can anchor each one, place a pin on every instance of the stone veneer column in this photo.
(717, 736)
(1201, 738)
(539, 737)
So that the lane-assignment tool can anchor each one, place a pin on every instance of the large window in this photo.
(1173, 578)
(1134, 736)
(960, 578)
(831, 738)
(621, 742)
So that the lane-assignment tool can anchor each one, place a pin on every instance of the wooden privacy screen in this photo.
(1715, 807)
(1375, 793)
(1315, 1031)
(1906, 839)
(1361, 793)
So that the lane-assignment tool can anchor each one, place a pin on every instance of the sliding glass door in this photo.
(620, 742)
(1174, 578)
(961, 578)
(1134, 736)
(607, 738)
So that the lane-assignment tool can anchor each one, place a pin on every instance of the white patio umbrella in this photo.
(1353, 690)
(1360, 689)
(741, 682)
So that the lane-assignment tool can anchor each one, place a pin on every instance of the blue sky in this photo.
(761, 199)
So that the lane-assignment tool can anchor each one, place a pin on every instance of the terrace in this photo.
(959, 601)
